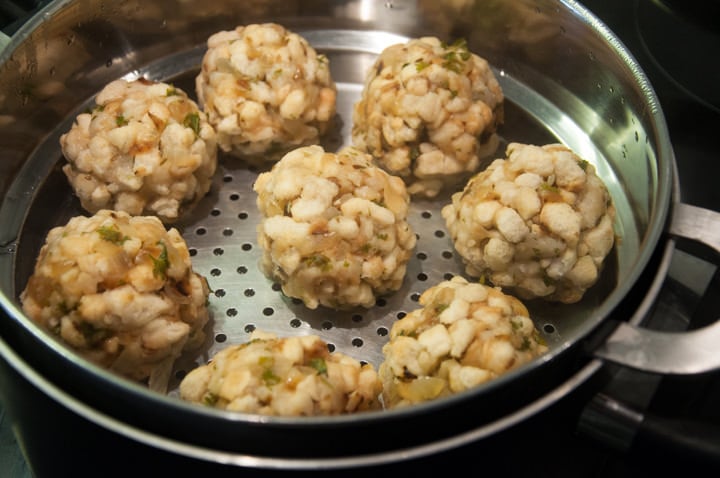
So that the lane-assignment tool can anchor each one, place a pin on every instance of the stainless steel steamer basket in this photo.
(566, 78)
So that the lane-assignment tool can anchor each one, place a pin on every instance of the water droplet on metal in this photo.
(8, 248)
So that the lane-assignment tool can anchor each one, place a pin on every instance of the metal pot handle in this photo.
(672, 352)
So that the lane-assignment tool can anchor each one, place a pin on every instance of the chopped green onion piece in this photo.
(161, 263)
(112, 234)
(192, 121)
(320, 365)
(270, 378)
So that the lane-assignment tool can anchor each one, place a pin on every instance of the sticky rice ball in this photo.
(334, 228)
(539, 222)
(145, 149)
(464, 335)
(428, 113)
(265, 90)
(121, 291)
(293, 376)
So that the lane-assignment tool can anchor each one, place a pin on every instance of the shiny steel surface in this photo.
(221, 232)
(565, 76)
(672, 352)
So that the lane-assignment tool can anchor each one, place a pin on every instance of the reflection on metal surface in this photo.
(663, 352)
(672, 352)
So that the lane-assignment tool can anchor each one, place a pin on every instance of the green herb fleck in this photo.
(210, 399)
(120, 120)
(456, 55)
(440, 308)
(319, 365)
(91, 333)
(525, 344)
(414, 152)
(407, 333)
(548, 281)
(171, 91)
(583, 164)
(95, 109)
(112, 234)
(270, 378)
(549, 188)
(421, 64)
(192, 121)
(320, 261)
(161, 263)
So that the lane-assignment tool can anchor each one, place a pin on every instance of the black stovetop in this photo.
(676, 44)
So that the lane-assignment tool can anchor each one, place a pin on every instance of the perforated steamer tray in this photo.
(222, 237)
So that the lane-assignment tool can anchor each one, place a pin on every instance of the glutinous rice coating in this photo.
(334, 228)
(145, 148)
(463, 335)
(428, 113)
(290, 376)
(538, 223)
(121, 291)
(265, 90)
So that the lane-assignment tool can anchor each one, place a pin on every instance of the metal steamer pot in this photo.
(566, 78)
